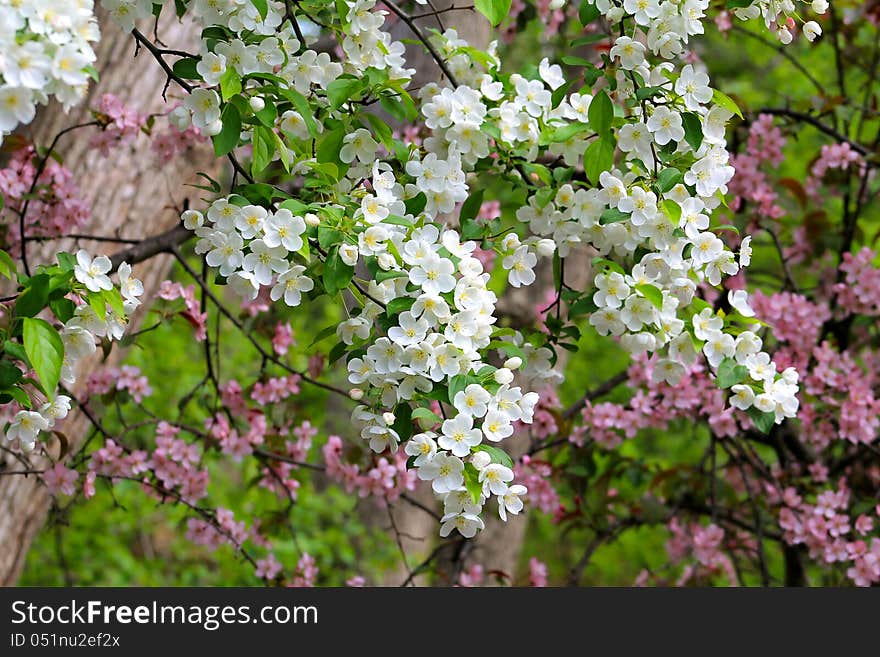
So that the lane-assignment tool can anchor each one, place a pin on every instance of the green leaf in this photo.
(324, 333)
(397, 220)
(763, 421)
(45, 351)
(262, 7)
(7, 265)
(337, 274)
(67, 262)
(398, 305)
(329, 145)
(644, 93)
(494, 10)
(472, 482)
(672, 210)
(381, 130)
(458, 383)
(426, 417)
(342, 89)
(384, 275)
(729, 373)
(599, 157)
(470, 229)
(601, 112)
(263, 149)
(572, 60)
(403, 423)
(114, 300)
(328, 237)
(63, 309)
(98, 304)
(20, 396)
(725, 101)
(612, 216)
(497, 454)
(652, 293)
(509, 348)
(9, 374)
(230, 83)
(302, 106)
(693, 129)
(34, 297)
(587, 12)
(668, 178)
(600, 262)
(16, 351)
(227, 139)
(186, 68)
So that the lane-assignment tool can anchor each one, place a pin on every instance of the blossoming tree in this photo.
(411, 211)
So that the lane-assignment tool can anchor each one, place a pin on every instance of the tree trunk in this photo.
(132, 195)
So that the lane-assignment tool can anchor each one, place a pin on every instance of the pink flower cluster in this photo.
(268, 568)
(59, 479)
(56, 208)
(276, 389)
(385, 480)
(283, 338)
(306, 572)
(859, 293)
(751, 184)
(173, 464)
(796, 322)
(169, 291)
(126, 378)
(826, 529)
(233, 442)
(535, 476)
(537, 573)
(702, 545)
(120, 125)
(278, 474)
(171, 141)
(225, 530)
(655, 405)
(832, 156)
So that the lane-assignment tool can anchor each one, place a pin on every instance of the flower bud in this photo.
(480, 460)
(180, 118)
(213, 128)
(784, 35)
(388, 417)
(513, 363)
(503, 376)
(386, 261)
(556, 4)
(348, 253)
(812, 30)
(546, 247)
(510, 242)
(311, 219)
(614, 14)
(257, 103)
(819, 6)
(192, 219)
(356, 394)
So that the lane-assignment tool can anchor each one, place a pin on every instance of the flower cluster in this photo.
(421, 327)
(252, 248)
(94, 318)
(55, 207)
(46, 53)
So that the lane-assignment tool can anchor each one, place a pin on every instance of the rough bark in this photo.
(132, 195)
